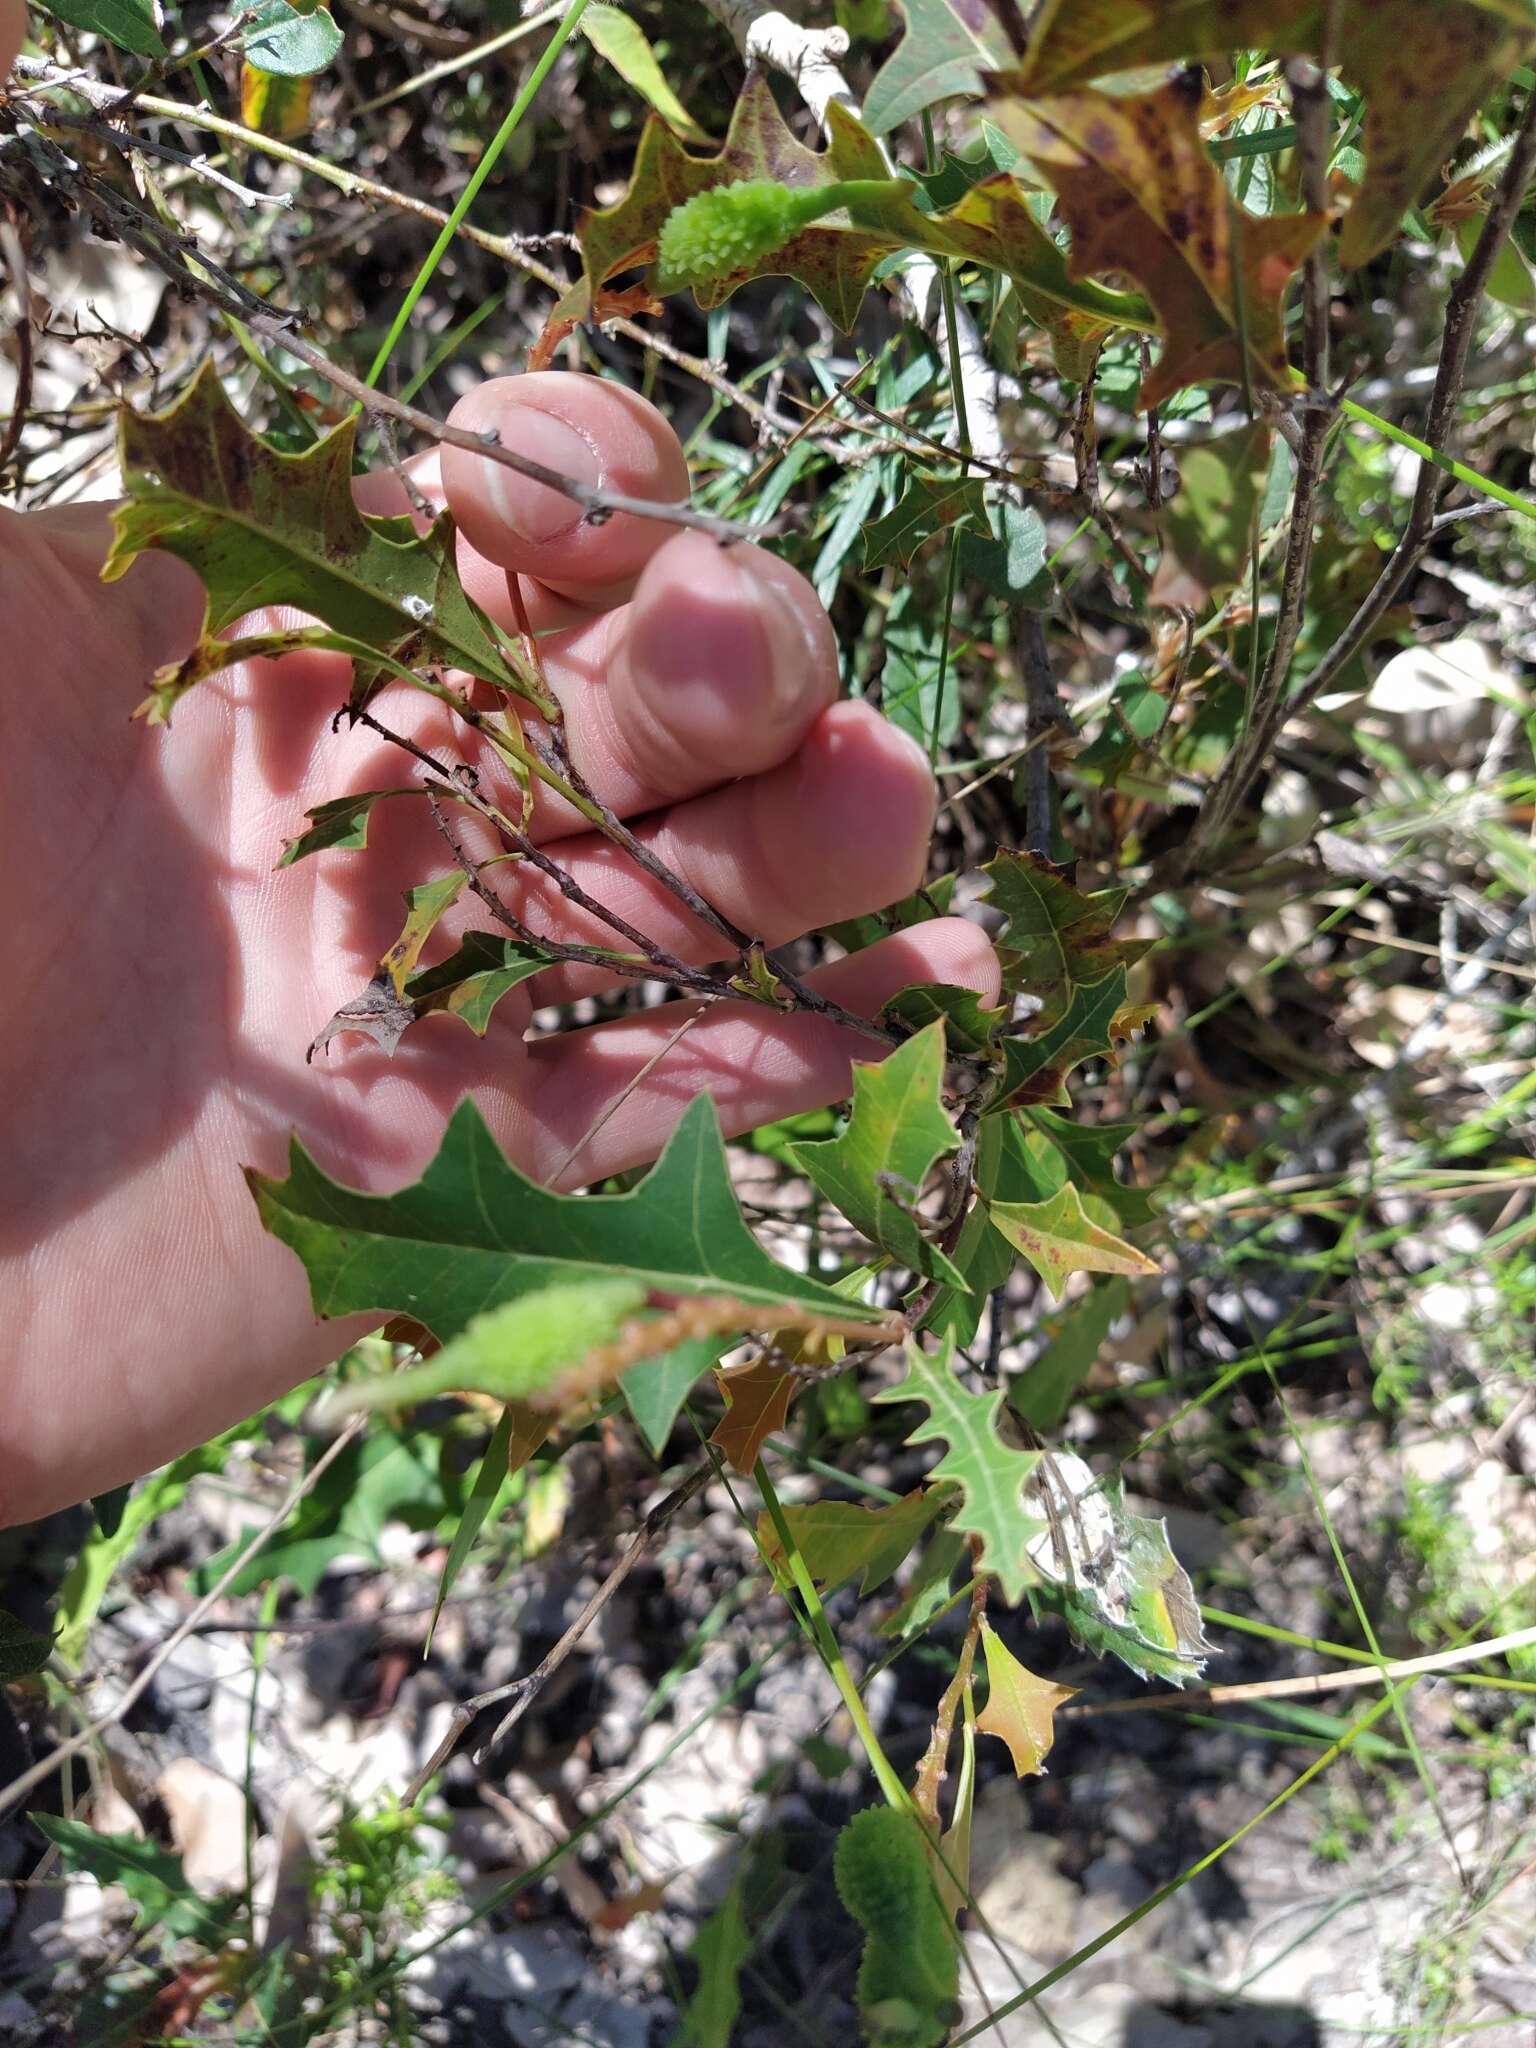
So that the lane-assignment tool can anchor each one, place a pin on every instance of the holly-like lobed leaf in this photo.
(833, 258)
(1021, 1707)
(1035, 1069)
(929, 505)
(948, 45)
(1056, 938)
(876, 1169)
(757, 1397)
(1059, 1237)
(473, 979)
(262, 528)
(474, 1232)
(989, 1471)
(1425, 66)
(342, 822)
(970, 1026)
(1143, 199)
(839, 1540)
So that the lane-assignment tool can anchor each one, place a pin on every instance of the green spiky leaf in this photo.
(989, 1471)
(875, 1171)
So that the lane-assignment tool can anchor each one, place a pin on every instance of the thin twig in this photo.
(597, 504)
(103, 131)
(15, 257)
(1316, 1682)
(524, 1691)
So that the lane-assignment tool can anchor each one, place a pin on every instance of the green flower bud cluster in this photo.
(909, 1979)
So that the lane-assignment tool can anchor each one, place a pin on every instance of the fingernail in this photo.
(534, 511)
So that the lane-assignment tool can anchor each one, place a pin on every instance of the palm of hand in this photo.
(165, 980)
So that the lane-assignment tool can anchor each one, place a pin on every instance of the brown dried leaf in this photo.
(1143, 200)
(758, 1396)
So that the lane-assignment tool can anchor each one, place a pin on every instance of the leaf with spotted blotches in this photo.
(1060, 1236)
(1425, 67)
(1143, 199)
(836, 257)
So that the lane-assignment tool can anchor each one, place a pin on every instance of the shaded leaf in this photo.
(838, 1539)
(1021, 1708)
(1074, 1337)
(655, 1390)
(834, 259)
(757, 1397)
(1210, 522)
(876, 1170)
(947, 47)
(969, 1025)
(1143, 200)
(474, 1232)
(1056, 938)
(275, 104)
(1008, 1168)
(490, 1477)
(989, 1471)
(619, 38)
(1059, 1237)
(130, 24)
(720, 1948)
(929, 505)
(151, 1876)
(1009, 561)
(21, 1650)
(262, 528)
(929, 1587)
(1425, 67)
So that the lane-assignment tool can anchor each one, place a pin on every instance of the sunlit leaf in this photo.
(989, 1471)
(342, 822)
(290, 44)
(1021, 1708)
(876, 1170)
(1036, 1068)
(834, 258)
(1058, 1237)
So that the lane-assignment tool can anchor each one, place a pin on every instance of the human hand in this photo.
(165, 980)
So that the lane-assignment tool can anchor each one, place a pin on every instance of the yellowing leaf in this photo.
(757, 1397)
(273, 103)
(1021, 1708)
(1144, 200)
(1425, 67)
(1058, 1237)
